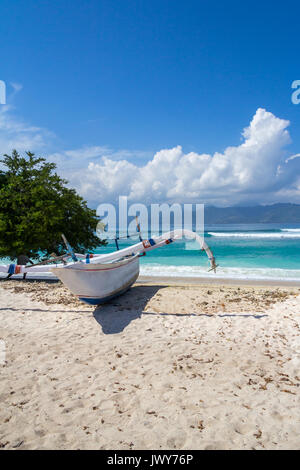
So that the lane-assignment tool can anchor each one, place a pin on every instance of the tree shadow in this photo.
(116, 315)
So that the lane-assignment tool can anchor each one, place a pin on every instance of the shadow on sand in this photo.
(19, 278)
(116, 315)
(121, 311)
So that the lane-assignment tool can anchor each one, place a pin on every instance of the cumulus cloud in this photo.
(256, 171)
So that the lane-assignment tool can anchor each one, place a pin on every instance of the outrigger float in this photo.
(96, 279)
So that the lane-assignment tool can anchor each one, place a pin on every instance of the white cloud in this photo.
(16, 134)
(105, 181)
(84, 155)
(256, 171)
(78, 158)
(292, 157)
(17, 87)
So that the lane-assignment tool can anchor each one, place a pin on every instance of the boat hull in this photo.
(98, 283)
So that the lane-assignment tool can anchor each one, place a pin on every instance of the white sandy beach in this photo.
(183, 366)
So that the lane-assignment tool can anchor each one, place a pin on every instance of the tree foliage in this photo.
(36, 207)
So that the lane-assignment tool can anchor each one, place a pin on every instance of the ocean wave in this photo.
(295, 234)
(222, 272)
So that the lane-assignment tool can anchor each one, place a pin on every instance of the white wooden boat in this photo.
(95, 279)
(98, 283)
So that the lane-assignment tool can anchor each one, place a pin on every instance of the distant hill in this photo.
(276, 213)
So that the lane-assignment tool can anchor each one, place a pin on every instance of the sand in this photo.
(181, 366)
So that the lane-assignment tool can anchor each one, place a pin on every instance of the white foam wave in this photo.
(255, 234)
(222, 272)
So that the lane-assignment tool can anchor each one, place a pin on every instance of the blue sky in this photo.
(122, 80)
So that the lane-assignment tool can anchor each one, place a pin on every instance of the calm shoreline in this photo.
(181, 280)
(167, 280)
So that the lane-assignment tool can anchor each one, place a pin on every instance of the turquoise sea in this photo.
(260, 251)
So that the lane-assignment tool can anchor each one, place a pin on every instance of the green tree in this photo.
(36, 207)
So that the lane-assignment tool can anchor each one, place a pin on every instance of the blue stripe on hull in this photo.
(102, 300)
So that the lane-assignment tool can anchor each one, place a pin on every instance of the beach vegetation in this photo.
(37, 206)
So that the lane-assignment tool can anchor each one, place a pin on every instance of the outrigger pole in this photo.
(138, 228)
(69, 248)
